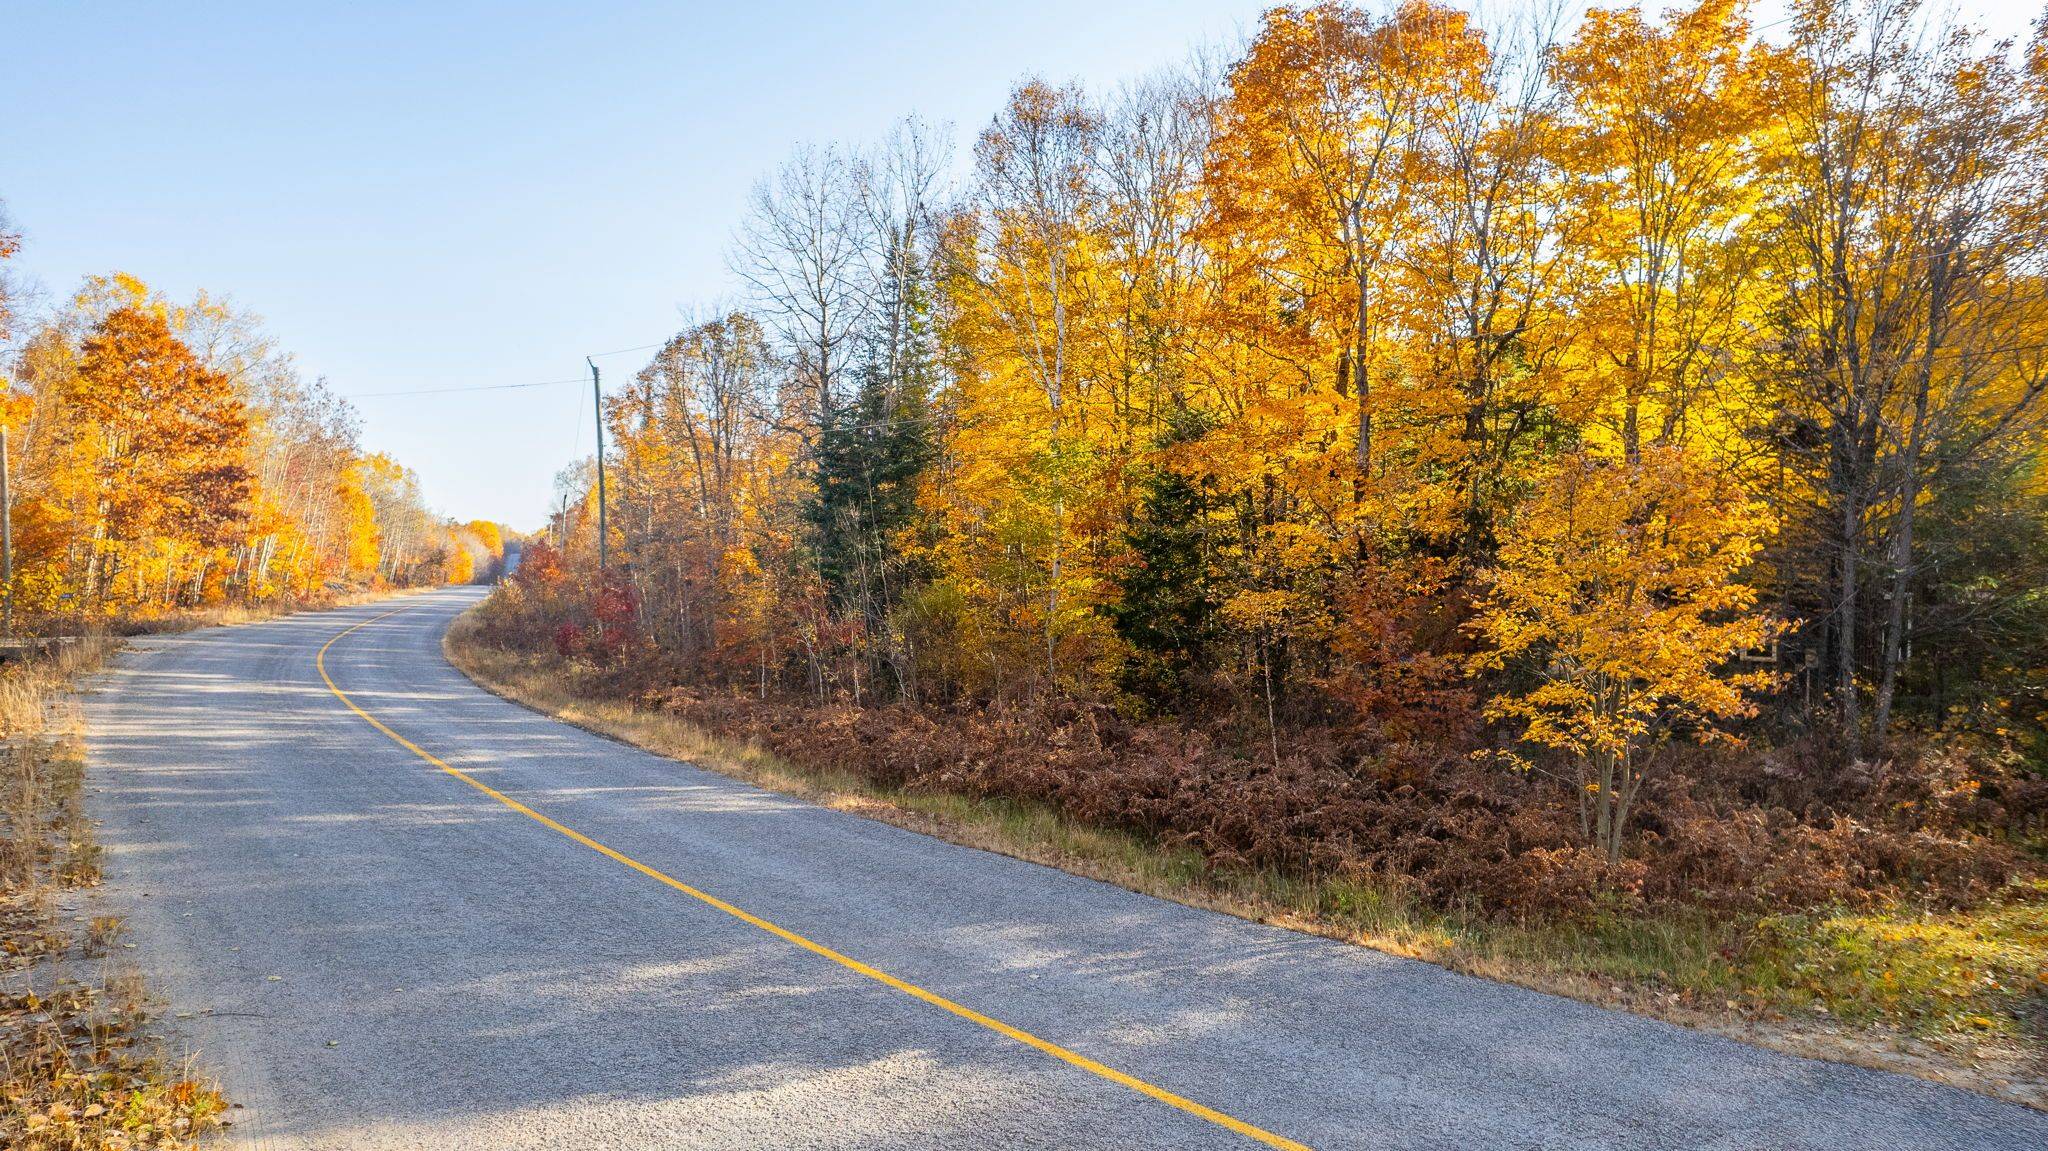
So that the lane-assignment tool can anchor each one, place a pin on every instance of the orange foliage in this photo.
(149, 477)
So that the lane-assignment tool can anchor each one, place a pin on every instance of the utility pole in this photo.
(6, 540)
(597, 405)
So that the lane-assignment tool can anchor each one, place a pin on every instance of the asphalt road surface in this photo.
(515, 934)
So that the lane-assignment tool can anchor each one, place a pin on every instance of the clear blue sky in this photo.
(445, 195)
(425, 195)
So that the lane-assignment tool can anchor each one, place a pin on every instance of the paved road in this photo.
(382, 955)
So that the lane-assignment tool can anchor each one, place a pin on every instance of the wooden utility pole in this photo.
(6, 540)
(597, 405)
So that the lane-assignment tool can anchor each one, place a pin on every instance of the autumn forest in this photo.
(1533, 469)
(168, 458)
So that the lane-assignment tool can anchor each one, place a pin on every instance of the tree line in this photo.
(1554, 393)
(168, 456)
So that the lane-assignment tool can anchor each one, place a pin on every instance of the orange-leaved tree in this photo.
(168, 438)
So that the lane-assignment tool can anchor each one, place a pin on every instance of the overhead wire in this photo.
(576, 441)
(1940, 354)
(623, 351)
(474, 388)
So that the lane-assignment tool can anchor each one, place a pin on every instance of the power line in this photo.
(478, 388)
(623, 351)
(576, 441)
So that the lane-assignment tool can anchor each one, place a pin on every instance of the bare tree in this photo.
(1148, 183)
(802, 250)
(900, 184)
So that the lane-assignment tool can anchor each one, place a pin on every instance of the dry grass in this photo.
(76, 1070)
(40, 777)
(1807, 985)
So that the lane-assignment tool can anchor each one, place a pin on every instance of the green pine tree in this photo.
(869, 459)
(1166, 611)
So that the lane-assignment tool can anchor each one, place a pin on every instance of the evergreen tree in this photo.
(870, 455)
(1166, 609)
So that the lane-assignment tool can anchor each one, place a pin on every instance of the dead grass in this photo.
(1961, 999)
(76, 1070)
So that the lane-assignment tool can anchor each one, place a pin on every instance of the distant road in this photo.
(515, 934)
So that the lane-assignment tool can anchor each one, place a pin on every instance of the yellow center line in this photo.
(851, 964)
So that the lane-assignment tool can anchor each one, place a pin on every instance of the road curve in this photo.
(377, 952)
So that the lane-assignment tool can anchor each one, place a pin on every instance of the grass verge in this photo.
(76, 1069)
(1959, 997)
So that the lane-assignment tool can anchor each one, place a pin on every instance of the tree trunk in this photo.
(1909, 497)
(1901, 581)
(1845, 631)
(1362, 379)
